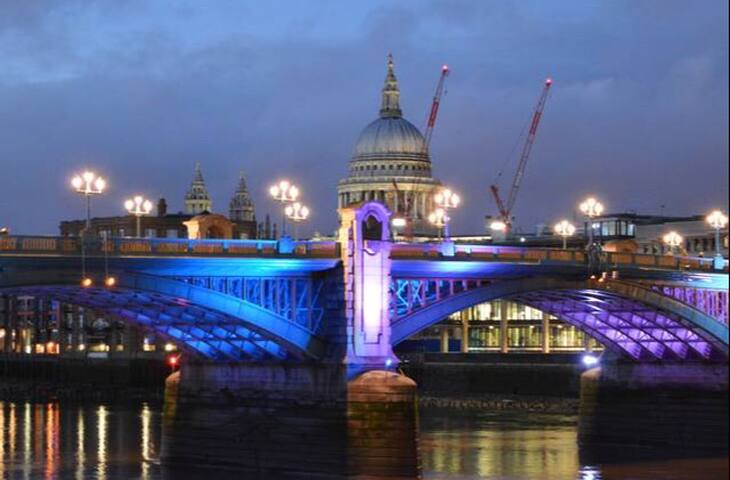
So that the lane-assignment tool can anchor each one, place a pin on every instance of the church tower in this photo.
(197, 199)
(241, 208)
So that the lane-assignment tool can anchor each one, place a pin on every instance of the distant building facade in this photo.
(241, 216)
(647, 231)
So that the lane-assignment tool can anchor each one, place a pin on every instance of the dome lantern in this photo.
(390, 107)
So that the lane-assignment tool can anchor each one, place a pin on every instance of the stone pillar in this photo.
(545, 332)
(587, 343)
(62, 335)
(9, 323)
(346, 415)
(76, 329)
(381, 427)
(131, 340)
(464, 335)
(503, 327)
(679, 407)
(444, 339)
(289, 421)
(365, 245)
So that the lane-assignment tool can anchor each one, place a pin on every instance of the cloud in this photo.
(141, 91)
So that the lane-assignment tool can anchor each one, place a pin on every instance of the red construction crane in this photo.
(428, 133)
(435, 108)
(505, 208)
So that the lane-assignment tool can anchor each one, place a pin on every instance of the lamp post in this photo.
(296, 212)
(397, 223)
(138, 206)
(565, 229)
(673, 240)
(445, 200)
(88, 184)
(718, 221)
(438, 218)
(591, 208)
(285, 193)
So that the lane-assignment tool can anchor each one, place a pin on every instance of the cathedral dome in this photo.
(390, 164)
(389, 135)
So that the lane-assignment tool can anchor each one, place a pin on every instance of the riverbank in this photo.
(52, 378)
(34, 391)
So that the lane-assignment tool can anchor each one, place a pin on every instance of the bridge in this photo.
(310, 326)
(239, 300)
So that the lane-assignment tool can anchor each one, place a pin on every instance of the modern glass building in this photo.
(501, 326)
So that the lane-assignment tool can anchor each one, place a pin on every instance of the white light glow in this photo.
(399, 222)
(717, 219)
(498, 226)
(590, 360)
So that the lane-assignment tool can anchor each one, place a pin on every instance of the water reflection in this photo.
(49, 441)
(498, 446)
(80, 448)
(101, 414)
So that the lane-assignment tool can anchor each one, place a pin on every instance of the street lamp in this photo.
(591, 208)
(88, 184)
(296, 212)
(718, 221)
(284, 192)
(673, 240)
(565, 229)
(138, 206)
(438, 218)
(444, 200)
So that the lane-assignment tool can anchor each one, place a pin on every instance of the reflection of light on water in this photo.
(2, 440)
(589, 473)
(52, 427)
(101, 414)
(80, 455)
(11, 430)
(498, 447)
(27, 426)
(146, 419)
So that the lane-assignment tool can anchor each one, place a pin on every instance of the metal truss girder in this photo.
(199, 330)
(296, 298)
(634, 320)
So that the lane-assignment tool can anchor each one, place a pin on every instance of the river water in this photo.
(108, 442)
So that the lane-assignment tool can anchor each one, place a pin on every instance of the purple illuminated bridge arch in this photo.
(627, 318)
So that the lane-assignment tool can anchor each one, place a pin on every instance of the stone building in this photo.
(197, 199)
(390, 163)
(161, 224)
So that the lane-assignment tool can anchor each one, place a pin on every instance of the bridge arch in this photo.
(206, 323)
(627, 318)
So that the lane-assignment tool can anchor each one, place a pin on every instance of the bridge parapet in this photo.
(26, 244)
(166, 247)
(498, 253)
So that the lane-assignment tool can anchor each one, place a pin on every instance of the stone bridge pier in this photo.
(672, 408)
(346, 415)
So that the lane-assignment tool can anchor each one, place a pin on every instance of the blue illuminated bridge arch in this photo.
(628, 318)
(206, 323)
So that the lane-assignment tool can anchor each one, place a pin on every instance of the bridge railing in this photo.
(496, 253)
(166, 247)
(127, 246)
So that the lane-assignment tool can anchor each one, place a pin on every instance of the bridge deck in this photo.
(401, 252)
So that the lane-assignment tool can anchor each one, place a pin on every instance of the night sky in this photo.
(141, 90)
